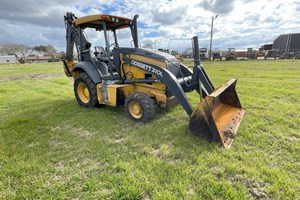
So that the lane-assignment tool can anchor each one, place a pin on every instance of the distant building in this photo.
(8, 59)
(266, 47)
(287, 43)
(38, 59)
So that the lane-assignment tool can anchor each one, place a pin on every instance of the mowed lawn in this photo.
(51, 148)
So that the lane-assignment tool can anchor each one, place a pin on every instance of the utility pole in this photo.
(211, 35)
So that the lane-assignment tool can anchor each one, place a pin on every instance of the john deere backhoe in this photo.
(141, 78)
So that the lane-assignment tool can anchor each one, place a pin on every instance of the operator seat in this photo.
(101, 54)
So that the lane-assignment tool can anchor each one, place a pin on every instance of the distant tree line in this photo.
(23, 51)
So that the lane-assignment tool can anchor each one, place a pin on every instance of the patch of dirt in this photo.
(256, 189)
(157, 152)
(215, 170)
(81, 132)
(113, 139)
(191, 191)
(106, 191)
(29, 76)
(119, 140)
(55, 128)
(89, 164)
(146, 197)
(85, 133)
(57, 142)
(64, 170)
(293, 138)
(257, 193)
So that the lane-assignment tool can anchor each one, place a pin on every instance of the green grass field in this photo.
(51, 148)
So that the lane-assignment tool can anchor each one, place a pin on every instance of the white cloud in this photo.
(240, 23)
(217, 6)
(166, 14)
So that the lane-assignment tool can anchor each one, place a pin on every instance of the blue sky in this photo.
(163, 24)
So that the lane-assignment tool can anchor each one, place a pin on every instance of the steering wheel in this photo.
(112, 46)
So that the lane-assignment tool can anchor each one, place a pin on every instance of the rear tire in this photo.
(139, 107)
(85, 90)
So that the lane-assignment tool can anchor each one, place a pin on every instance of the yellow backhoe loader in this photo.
(141, 78)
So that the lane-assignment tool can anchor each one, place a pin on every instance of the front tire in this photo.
(85, 90)
(139, 107)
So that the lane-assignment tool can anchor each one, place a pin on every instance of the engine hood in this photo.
(151, 53)
(167, 56)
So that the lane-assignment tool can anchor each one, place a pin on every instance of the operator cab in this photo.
(104, 54)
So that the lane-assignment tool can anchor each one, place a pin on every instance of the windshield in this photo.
(96, 38)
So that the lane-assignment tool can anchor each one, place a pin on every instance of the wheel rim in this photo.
(83, 92)
(135, 109)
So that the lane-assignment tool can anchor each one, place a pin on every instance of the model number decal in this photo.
(146, 67)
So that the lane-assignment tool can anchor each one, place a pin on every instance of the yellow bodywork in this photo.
(126, 90)
(155, 90)
(111, 93)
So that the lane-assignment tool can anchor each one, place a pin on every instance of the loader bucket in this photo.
(219, 115)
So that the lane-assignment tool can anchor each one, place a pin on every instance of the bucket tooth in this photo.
(219, 115)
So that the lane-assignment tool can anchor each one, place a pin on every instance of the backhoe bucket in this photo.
(219, 115)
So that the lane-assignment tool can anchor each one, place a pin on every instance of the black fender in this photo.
(90, 69)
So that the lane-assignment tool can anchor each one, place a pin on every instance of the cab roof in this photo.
(95, 21)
